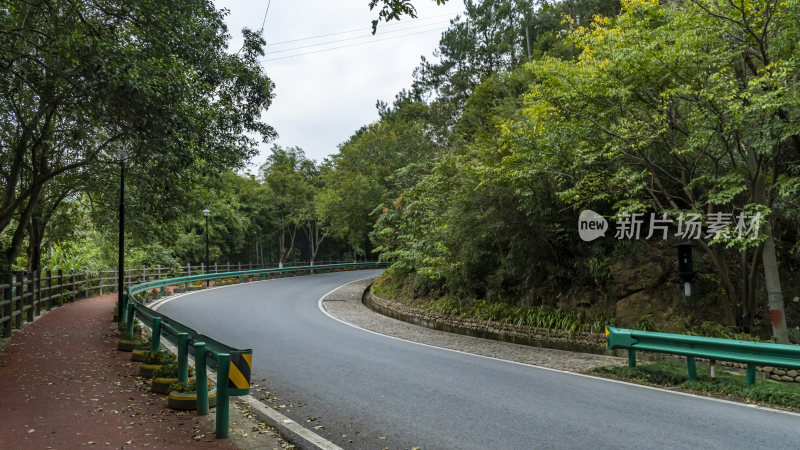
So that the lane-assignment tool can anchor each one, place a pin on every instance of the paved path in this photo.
(364, 390)
(63, 384)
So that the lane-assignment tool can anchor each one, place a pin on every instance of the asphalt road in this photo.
(370, 391)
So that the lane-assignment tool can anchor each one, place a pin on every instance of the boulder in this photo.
(627, 278)
(632, 308)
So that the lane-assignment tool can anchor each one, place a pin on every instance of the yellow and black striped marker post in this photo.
(239, 374)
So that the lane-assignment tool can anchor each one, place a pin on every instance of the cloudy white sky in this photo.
(324, 95)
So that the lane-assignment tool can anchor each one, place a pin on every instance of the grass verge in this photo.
(673, 375)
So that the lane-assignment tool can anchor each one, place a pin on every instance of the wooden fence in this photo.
(26, 295)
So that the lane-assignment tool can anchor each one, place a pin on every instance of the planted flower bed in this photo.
(155, 361)
(183, 396)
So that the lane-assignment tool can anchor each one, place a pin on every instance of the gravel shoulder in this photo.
(345, 304)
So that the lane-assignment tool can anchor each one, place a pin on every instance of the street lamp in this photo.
(122, 157)
(310, 245)
(206, 213)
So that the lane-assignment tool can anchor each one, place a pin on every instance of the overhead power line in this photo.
(353, 45)
(263, 22)
(438, 27)
(269, 44)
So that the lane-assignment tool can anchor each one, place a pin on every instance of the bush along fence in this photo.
(232, 365)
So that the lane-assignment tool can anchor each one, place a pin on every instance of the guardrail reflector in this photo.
(239, 374)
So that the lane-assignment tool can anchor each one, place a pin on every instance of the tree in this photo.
(671, 109)
(83, 79)
(289, 175)
(394, 10)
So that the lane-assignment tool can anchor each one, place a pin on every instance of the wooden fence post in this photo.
(31, 294)
(72, 287)
(60, 287)
(49, 303)
(8, 309)
(37, 292)
(19, 290)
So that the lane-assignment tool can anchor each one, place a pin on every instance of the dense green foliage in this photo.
(87, 82)
(663, 108)
(470, 182)
(91, 87)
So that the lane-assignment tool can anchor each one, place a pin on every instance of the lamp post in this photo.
(206, 213)
(122, 156)
(310, 245)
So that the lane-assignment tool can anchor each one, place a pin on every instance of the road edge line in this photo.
(593, 377)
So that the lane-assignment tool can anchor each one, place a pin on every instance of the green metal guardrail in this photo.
(232, 365)
(750, 353)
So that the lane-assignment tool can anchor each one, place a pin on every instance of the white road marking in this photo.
(729, 402)
(277, 419)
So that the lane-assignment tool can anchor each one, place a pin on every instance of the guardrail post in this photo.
(691, 366)
(751, 375)
(183, 357)
(155, 339)
(631, 358)
(131, 313)
(200, 378)
(223, 366)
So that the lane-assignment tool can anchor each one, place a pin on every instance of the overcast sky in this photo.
(324, 96)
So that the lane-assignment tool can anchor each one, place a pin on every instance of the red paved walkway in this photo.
(63, 384)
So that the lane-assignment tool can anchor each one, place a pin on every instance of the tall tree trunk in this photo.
(772, 277)
(769, 258)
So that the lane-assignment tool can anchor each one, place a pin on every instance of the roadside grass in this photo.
(536, 316)
(672, 374)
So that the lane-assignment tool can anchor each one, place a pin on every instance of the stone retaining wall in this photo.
(537, 337)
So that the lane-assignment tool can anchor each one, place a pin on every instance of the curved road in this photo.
(370, 391)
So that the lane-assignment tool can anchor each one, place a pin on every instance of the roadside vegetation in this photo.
(470, 181)
(672, 375)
